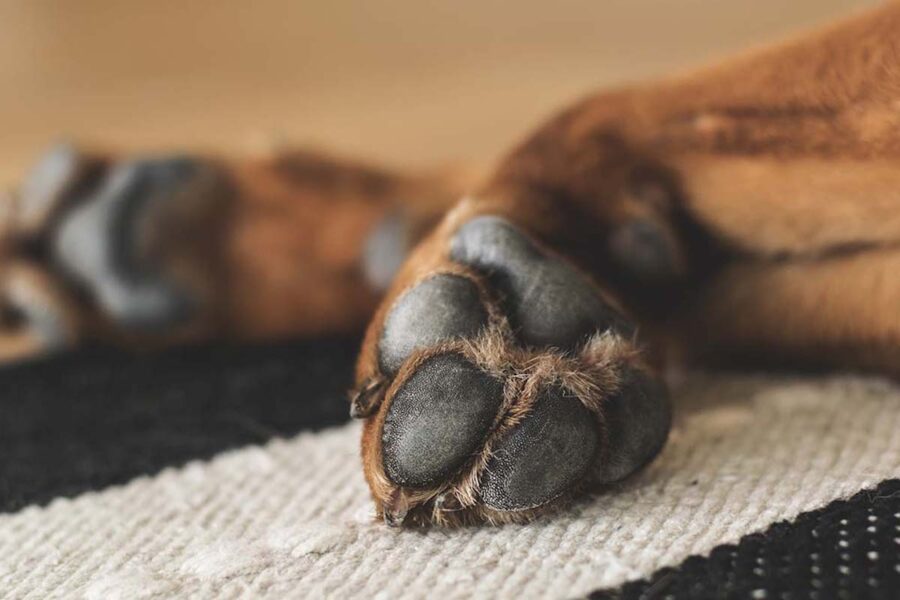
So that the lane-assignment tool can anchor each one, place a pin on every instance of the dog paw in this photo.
(501, 383)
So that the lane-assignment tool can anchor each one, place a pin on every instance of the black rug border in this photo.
(101, 417)
(847, 550)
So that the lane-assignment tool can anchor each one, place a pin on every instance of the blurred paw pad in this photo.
(101, 244)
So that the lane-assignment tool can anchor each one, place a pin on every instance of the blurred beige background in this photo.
(410, 82)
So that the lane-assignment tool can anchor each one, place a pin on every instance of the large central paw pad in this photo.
(549, 303)
(504, 383)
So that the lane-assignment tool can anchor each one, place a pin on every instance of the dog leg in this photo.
(840, 312)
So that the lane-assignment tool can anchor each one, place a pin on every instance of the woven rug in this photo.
(226, 473)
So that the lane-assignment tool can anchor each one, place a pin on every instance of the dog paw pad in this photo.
(442, 307)
(549, 303)
(542, 457)
(438, 419)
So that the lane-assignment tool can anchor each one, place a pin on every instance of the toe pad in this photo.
(544, 456)
(638, 419)
(441, 307)
(437, 420)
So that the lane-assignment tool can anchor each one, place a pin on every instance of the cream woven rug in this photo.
(292, 518)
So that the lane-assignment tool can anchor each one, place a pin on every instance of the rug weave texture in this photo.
(292, 518)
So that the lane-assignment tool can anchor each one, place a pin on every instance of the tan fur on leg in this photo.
(788, 154)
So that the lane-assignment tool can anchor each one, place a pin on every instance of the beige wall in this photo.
(409, 81)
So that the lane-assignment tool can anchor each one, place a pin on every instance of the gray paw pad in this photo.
(440, 308)
(544, 456)
(437, 420)
(99, 245)
(637, 419)
(385, 249)
(550, 303)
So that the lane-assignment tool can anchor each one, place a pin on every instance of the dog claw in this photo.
(396, 509)
(365, 401)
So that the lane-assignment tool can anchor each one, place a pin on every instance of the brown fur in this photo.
(789, 154)
(295, 241)
(26, 287)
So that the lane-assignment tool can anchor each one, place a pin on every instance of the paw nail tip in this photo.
(394, 519)
(395, 508)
